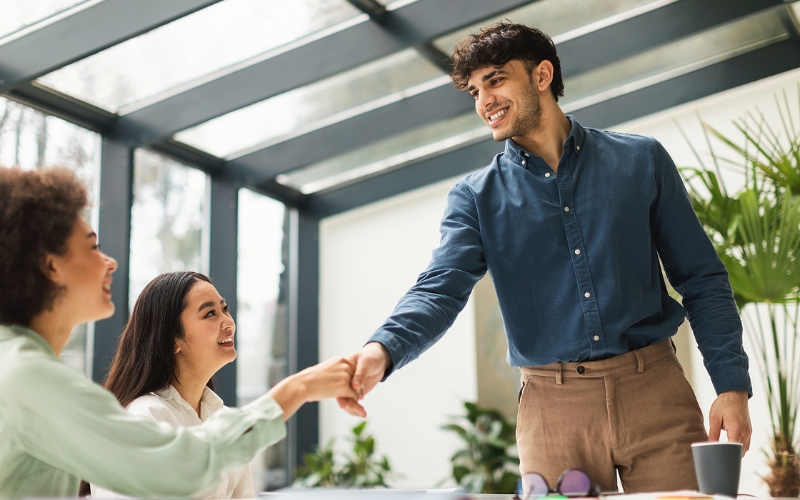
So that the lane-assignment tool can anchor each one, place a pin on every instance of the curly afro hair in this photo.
(501, 42)
(38, 211)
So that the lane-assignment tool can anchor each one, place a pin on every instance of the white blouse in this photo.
(168, 406)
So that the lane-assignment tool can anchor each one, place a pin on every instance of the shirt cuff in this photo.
(392, 346)
(732, 379)
(269, 419)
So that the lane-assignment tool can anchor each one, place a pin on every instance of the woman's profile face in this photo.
(209, 327)
(85, 272)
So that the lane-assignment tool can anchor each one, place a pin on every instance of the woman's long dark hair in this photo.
(145, 358)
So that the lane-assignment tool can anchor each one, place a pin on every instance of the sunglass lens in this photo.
(533, 486)
(575, 483)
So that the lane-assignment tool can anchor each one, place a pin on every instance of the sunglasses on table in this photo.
(571, 483)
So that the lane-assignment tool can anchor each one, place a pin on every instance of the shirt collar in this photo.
(209, 401)
(23, 331)
(577, 135)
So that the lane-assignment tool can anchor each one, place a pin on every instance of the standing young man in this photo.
(571, 223)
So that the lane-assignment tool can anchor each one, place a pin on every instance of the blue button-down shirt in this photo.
(574, 258)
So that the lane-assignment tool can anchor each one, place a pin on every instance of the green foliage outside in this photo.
(361, 468)
(756, 233)
(485, 464)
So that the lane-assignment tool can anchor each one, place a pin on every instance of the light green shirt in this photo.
(58, 427)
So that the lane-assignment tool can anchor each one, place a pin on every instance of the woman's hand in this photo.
(329, 379)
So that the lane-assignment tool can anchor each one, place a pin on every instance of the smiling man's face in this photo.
(507, 99)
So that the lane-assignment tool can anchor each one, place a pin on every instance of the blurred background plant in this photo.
(486, 464)
(756, 232)
(361, 468)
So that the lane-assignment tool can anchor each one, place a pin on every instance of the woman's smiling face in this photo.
(84, 272)
(207, 344)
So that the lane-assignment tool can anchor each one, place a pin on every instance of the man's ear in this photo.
(543, 75)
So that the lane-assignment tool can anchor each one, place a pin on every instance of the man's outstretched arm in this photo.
(428, 309)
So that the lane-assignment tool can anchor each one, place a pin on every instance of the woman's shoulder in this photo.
(150, 400)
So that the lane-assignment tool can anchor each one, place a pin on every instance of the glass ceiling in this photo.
(634, 73)
(316, 105)
(342, 96)
(388, 154)
(672, 60)
(549, 16)
(195, 46)
(237, 33)
(19, 14)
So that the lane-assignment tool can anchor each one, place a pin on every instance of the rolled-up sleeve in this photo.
(61, 418)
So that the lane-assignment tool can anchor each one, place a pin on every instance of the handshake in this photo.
(348, 379)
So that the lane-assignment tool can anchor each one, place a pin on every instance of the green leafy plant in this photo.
(756, 232)
(485, 465)
(361, 468)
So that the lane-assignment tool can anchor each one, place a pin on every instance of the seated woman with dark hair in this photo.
(179, 335)
(56, 426)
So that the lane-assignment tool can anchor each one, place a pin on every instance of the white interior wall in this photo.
(370, 256)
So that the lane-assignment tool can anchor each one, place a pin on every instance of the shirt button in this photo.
(587, 295)
(577, 251)
(580, 370)
(596, 338)
(547, 174)
(523, 162)
(566, 209)
(578, 148)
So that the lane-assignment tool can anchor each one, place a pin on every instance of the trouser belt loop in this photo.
(639, 362)
(559, 381)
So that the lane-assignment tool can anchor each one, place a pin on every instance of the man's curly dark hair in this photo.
(500, 43)
(38, 211)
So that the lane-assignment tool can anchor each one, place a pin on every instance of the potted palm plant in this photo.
(756, 232)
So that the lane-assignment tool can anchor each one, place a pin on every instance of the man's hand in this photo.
(371, 363)
(729, 412)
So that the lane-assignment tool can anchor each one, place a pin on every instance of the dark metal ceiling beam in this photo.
(414, 176)
(740, 70)
(405, 27)
(84, 33)
(638, 34)
(435, 56)
(372, 8)
(63, 106)
(647, 30)
(406, 114)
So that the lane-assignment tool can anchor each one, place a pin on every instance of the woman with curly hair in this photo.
(56, 426)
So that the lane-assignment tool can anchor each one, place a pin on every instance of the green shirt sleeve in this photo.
(59, 417)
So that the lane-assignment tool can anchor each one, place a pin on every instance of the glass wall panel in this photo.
(261, 317)
(169, 220)
(31, 140)
(561, 19)
(388, 154)
(221, 35)
(316, 105)
(19, 14)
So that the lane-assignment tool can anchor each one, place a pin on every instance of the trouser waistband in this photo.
(634, 360)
